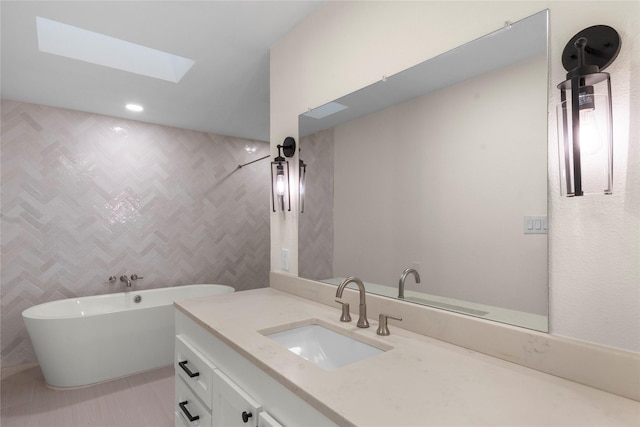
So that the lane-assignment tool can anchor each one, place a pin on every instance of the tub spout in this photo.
(126, 280)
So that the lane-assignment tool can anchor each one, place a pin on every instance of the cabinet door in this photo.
(232, 406)
(266, 420)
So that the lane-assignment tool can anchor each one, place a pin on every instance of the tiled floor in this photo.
(141, 400)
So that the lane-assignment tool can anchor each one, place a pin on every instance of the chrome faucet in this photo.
(362, 318)
(126, 280)
(403, 277)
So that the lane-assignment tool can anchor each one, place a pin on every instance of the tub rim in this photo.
(31, 312)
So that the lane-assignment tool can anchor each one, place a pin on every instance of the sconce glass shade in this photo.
(302, 184)
(585, 135)
(280, 197)
(280, 186)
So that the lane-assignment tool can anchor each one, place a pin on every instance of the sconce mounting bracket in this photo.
(603, 46)
(288, 146)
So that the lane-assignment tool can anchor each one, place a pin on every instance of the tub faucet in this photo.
(403, 277)
(126, 280)
(362, 318)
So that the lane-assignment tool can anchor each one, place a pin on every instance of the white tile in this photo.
(141, 400)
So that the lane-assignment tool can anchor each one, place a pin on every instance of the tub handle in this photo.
(187, 370)
(183, 406)
(136, 277)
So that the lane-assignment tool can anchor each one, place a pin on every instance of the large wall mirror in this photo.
(441, 168)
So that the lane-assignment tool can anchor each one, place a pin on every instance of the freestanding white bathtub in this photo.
(87, 340)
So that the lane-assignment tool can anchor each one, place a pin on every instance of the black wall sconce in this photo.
(584, 114)
(280, 186)
(302, 183)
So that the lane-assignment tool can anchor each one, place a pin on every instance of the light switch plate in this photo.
(535, 225)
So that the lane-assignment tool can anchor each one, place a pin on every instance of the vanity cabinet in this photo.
(234, 406)
(217, 387)
(195, 370)
(206, 396)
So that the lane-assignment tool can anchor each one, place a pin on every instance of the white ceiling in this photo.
(226, 92)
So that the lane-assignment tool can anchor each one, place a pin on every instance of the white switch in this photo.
(535, 225)
(528, 225)
(284, 259)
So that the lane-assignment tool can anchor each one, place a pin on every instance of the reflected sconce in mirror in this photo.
(302, 183)
(585, 133)
(280, 187)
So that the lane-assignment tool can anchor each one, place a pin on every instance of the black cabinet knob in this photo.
(246, 415)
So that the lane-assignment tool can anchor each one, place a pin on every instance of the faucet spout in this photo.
(126, 280)
(362, 317)
(403, 277)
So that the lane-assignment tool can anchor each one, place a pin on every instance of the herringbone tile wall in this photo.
(315, 226)
(87, 196)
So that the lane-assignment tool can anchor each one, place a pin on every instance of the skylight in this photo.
(76, 43)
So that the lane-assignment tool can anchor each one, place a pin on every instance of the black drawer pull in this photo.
(187, 370)
(190, 417)
(246, 415)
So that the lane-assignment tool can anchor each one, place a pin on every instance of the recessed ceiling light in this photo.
(76, 43)
(135, 107)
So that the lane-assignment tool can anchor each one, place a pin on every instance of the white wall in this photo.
(594, 268)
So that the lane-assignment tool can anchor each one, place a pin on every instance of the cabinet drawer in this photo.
(194, 369)
(189, 410)
(232, 406)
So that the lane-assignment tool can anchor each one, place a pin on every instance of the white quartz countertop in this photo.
(419, 382)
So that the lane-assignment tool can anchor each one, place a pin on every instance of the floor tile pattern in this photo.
(140, 400)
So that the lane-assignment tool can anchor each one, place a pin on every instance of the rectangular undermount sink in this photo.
(325, 347)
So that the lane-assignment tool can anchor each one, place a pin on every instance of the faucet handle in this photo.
(136, 277)
(383, 329)
(346, 316)
(111, 279)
